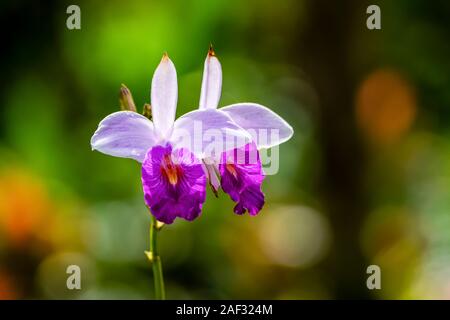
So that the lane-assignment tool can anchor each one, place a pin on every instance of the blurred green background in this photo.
(365, 179)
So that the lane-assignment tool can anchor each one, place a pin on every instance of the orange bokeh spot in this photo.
(24, 206)
(7, 290)
(385, 106)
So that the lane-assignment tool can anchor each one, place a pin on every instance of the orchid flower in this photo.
(240, 179)
(173, 178)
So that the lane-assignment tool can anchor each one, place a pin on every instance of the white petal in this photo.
(267, 128)
(211, 83)
(124, 134)
(164, 97)
(208, 133)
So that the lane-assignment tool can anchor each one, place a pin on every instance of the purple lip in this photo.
(241, 177)
(174, 183)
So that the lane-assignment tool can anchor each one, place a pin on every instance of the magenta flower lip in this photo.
(242, 180)
(174, 183)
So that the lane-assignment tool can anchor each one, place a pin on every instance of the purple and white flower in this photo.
(240, 176)
(171, 151)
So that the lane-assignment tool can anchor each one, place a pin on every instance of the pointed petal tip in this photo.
(165, 57)
(211, 52)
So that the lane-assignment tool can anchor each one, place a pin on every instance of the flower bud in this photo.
(126, 99)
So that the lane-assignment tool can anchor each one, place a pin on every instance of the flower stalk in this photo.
(155, 259)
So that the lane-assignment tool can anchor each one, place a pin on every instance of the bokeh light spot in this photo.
(385, 106)
(294, 236)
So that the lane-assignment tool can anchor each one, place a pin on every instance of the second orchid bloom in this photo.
(179, 157)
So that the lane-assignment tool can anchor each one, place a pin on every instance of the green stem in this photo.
(154, 258)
